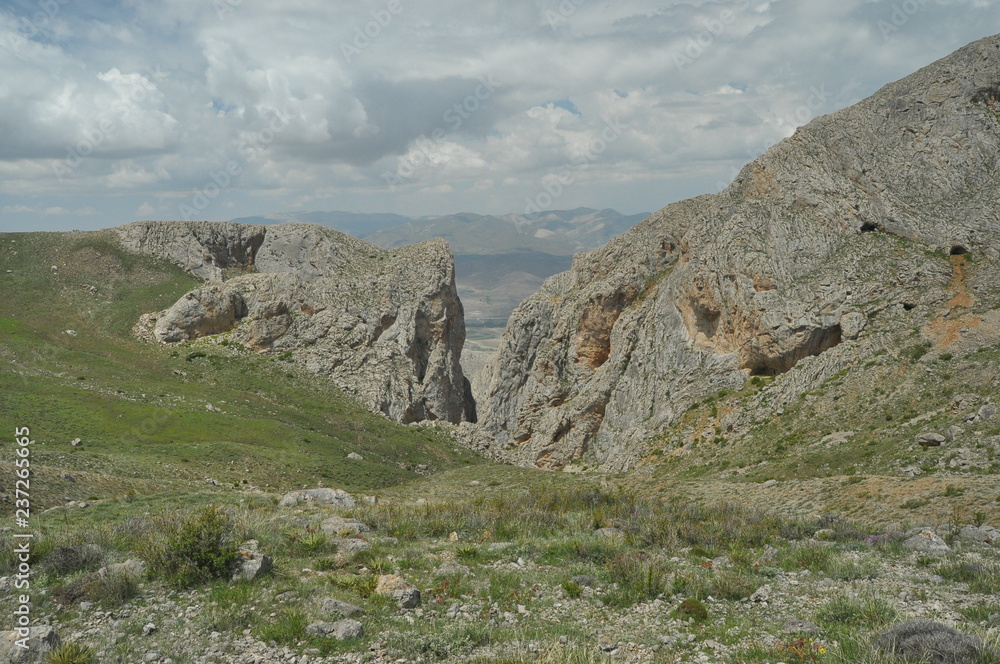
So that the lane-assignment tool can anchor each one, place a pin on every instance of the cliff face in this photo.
(385, 326)
(818, 253)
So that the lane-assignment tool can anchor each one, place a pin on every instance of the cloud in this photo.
(132, 106)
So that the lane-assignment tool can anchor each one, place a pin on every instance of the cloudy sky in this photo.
(116, 110)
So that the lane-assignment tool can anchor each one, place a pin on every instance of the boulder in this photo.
(927, 542)
(337, 498)
(336, 607)
(931, 643)
(133, 569)
(251, 563)
(340, 526)
(342, 630)
(930, 439)
(41, 640)
(979, 535)
(352, 546)
(406, 598)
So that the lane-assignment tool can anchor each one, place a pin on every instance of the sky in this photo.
(118, 110)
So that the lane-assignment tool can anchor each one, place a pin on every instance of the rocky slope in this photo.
(385, 326)
(833, 246)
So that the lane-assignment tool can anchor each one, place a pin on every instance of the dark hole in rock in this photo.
(816, 342)
(909, 306)
(868, 227)
(959, 250)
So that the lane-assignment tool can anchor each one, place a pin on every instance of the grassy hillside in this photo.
(71, 369)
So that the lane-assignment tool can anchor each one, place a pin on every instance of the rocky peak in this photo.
(784, 265)
(386, 326)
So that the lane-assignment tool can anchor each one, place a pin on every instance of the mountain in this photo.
(560, 233)
(842, 293)
(358, 224)
(500, 260)
(384, 326)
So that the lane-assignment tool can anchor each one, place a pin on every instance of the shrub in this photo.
(692, 608)
(572, 589)
(288, 628)
(847, 610)
(70, 653)
(194, 549)
(65, 560)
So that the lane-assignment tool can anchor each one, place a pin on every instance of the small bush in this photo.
(194, 549)
(572, 590)
(847, 610)
(952, 491)
(71, 653)
(692, 608)
(64, 560)
(288, 628)
(196, 355)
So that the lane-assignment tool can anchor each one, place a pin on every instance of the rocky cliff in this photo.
(385, 326)
(823, 251)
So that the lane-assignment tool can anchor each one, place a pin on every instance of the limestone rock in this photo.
(930, 439)
(815, 250)
(41, 640)
(337, 498)
(342, 630)
(340, 526)
(251, 563)
(979, 535)
(385, 326)
(928, 543)
(133, 569)
(336, 607)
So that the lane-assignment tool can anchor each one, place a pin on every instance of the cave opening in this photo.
(958, 250)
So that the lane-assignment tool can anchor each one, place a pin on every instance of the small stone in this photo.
(930, 439)
(406, 598)
(987, 412)
(336, 607)
(75, 442)
(453, 537)
(354, 456)
(148, 628)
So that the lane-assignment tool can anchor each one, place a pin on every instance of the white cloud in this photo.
(136, 100)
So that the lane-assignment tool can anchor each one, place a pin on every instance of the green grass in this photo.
(141, 410)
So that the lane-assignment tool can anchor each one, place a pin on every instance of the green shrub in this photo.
(71, 653)
(194, 548)
(846, 610)
(572, 589)
(288, 628)
(692, 608)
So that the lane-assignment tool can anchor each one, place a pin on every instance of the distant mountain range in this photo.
(500, 260)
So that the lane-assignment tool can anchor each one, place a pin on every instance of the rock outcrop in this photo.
(386, 326)
(831, 236)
